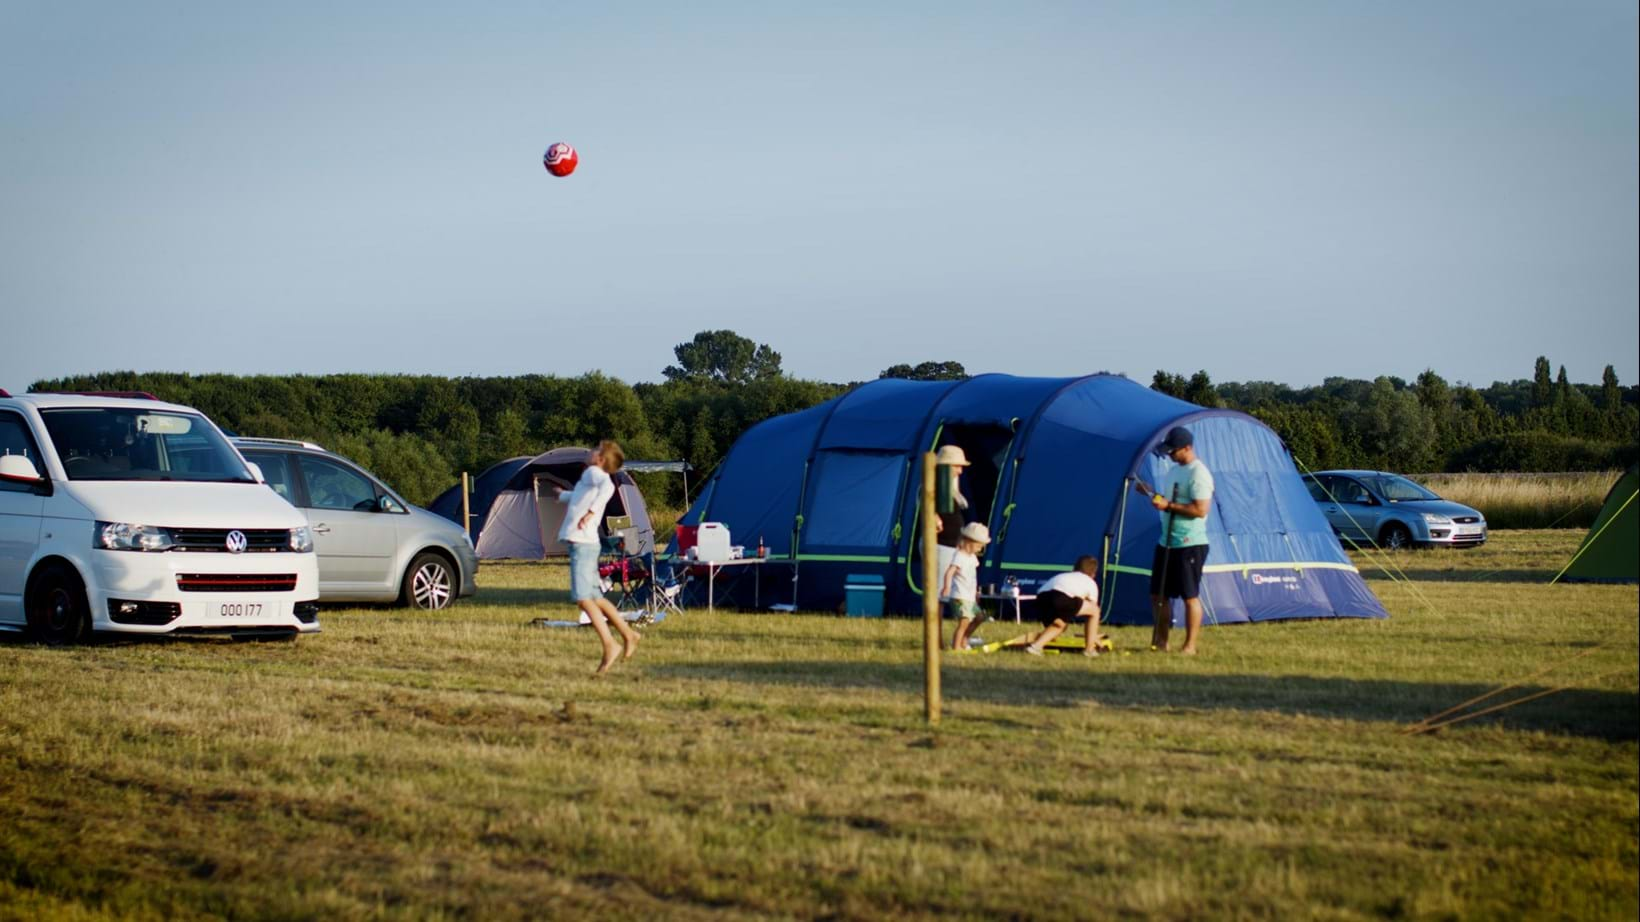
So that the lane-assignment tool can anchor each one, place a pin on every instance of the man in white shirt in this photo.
(1065, 598)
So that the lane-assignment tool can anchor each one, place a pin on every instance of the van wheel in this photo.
(429, 583)
(57, 611)
(1395, 537)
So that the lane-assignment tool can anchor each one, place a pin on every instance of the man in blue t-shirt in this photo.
(1184, 500)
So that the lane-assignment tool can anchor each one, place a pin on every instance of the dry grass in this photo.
(1528, 500)
(462, 765)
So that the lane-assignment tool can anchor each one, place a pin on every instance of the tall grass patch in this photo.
(1528, 500)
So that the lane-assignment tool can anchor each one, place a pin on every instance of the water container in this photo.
(712, 542)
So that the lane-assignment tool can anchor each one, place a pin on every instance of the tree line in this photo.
(418, 432)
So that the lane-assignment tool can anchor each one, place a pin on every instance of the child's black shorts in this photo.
(1054, 605)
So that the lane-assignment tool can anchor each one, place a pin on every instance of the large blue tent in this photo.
(832, 491)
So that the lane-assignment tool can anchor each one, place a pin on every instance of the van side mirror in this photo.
(18, 469)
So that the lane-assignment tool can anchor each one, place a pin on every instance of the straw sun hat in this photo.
(953, 455)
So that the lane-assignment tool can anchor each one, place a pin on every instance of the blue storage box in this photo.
(863, 595)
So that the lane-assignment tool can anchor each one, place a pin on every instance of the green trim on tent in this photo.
(1610, 552)
(844, 558)
(1215, 568)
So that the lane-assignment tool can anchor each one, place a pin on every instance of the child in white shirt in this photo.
(961, 581)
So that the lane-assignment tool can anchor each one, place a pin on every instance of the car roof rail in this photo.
(123, 395)
(259, 440)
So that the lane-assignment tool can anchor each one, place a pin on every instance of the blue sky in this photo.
(1279, 191)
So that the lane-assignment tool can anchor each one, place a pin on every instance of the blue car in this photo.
(1387, 509)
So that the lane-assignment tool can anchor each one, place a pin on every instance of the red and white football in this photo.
(561, 159)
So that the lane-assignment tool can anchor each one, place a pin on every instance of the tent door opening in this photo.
(549, 512)
(987, 446)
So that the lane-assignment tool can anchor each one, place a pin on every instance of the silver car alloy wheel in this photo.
(430, 587)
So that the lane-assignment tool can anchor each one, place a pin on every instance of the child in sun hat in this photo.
(948, 525)
(960, 584)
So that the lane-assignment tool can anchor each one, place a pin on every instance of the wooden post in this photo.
(931, 594)
(466, 507)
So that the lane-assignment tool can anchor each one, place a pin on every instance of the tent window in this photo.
(852, 500)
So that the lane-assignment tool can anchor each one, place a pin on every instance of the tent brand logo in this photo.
(1287, 582)
(236, 542)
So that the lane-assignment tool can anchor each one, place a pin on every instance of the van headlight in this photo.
(301, 539)
(123, 536)
(1437, 519)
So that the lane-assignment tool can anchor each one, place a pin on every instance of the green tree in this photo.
(927, 371)
(724, 356)
(1170, 384)
(1542, 389)
(1611, 396)
(1200, 391)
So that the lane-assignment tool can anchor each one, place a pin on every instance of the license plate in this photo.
(1469, 531)
(239, 609)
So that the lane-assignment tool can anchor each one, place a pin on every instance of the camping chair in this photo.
(631, 578)
(670, 577)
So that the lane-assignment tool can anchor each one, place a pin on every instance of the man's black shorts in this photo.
(1184, 571)
(1054, 605)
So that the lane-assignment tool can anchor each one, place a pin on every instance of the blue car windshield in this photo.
(121, 444)
(1399, 489)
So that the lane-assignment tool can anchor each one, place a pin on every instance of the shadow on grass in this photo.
(1540, 577)
(1607, 715)
(518, 596)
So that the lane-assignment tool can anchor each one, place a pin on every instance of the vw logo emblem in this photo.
(237, 542)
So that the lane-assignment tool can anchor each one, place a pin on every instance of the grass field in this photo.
(464, 766)
(1528, 500)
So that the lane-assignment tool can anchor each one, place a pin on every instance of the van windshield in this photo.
(106, 443)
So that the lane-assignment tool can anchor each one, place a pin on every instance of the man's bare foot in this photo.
(603, 667)
(1188, 650)
(631, 646)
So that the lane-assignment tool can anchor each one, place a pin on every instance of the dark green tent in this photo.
(1611, 551)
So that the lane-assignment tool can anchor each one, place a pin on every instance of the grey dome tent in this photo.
(515, 511)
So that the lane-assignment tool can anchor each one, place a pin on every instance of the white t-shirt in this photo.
(964, 583)
(1075, 584)
(591, 494)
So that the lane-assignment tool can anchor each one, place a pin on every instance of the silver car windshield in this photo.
(1399, 489)
(106, 443)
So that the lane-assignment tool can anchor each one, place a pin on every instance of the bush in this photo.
(1543, 451)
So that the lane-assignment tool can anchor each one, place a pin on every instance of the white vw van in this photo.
(121, 513)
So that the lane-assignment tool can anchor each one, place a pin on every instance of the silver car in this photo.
(1392, 511)
(372, 545)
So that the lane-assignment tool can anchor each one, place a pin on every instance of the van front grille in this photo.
(215, 540)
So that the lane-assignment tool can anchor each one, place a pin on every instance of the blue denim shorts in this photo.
(584, 583)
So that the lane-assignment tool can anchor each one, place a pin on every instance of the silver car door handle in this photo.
(321, 529)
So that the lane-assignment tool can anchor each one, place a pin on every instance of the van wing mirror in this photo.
(18, 469)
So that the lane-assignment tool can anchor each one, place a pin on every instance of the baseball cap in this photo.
(1177, 437)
